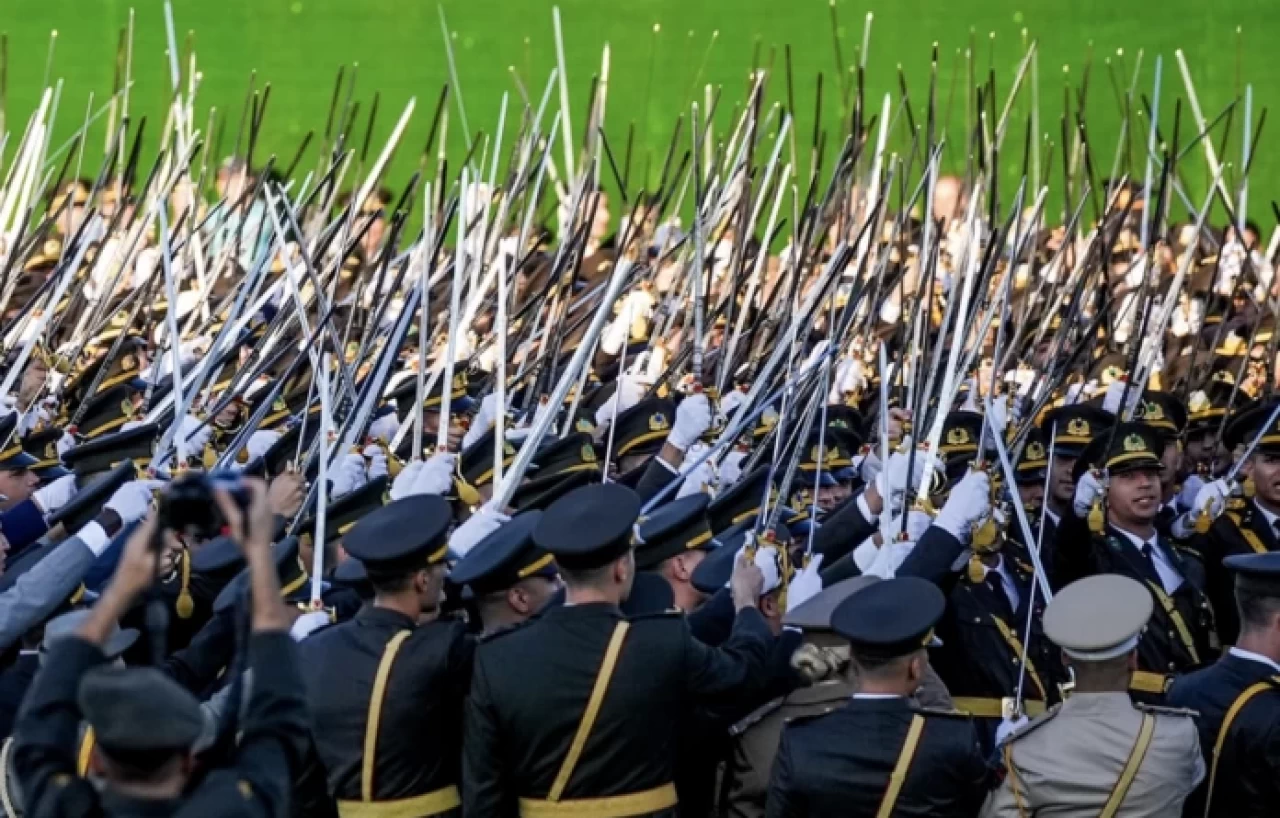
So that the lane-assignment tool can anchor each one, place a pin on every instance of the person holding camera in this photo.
(145, 725)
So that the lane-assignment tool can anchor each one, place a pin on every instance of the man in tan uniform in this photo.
(1099, 755)
(823, 660)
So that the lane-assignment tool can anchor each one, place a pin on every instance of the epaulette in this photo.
(1036, 723)
(938, 711)
(1167, 711)
(756, 716)
(805, 719)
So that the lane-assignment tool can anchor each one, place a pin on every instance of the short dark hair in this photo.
(393, 581)
(588, 576)
(1256, 609)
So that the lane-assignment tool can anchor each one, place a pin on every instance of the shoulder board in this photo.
(1039, 721)
(500, 632)
(1166, 711)
(668, 613)
(753, 718)
(938, 711)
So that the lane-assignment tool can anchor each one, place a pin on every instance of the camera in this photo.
(188, 506)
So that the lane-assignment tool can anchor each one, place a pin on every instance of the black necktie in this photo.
(996, 584)
(1148, 553)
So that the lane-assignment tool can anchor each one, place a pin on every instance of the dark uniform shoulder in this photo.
(491, 636)
(664, 614)
(941, 712)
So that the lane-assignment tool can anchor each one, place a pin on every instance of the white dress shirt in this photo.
(1253, 657)
(1170, 578)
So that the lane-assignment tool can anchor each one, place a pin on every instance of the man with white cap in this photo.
(1098, 754)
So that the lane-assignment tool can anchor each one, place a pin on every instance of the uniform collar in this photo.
(1267, 514)
(373, 615)
(832, 690)
(1250, 656)
(1100, 701)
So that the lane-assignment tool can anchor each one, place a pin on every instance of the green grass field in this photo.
(298, 45)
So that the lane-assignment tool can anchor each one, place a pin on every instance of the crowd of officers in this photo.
(883, 629)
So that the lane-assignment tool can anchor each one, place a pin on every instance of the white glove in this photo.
(385, 427)
(891, 482)
(864, 556)
(348, 476)
(132, 500)
(731, 468)
(889, 557)
(194, 434)
(484, 522)
(1111, 401)
(1088, 490)
(260, 442)
(31, 419)
(806, 584)
(1211, 498)
(402, 486)
(998, 419)
(1008, 727)
(377, 458)
(918, 522)
(700, 478)
(630, 391)
(731, 401)
(869, 467)
(969, 504)
(57, 494)
(483, 421)
(307, 624)
(436, 476)
(1190, 488)
(8, 405)
(693, 419)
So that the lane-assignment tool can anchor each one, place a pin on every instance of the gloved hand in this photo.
(1190, 488)
(693, 419)
(731, 468)
(1088, 490)
(132, 500)
(891, 482)
(969, 504)
(385, 427)
(1008, 727)
(1115, 391)
(194, 434)
(889, 557)
(436, 476)
(377, 458)
(308, 623)
(1211, 499)
(65, 443)
(918, 522)
(732, 400)
(348, 475)
(998, 418)
(806, 584)
(700, 478)
(402, 486)
(631, 389)
(483, 420)
(484, 522)
(260, 442)
(57, 494)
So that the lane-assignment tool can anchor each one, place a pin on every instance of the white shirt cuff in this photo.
(95, 538)
(865, 509)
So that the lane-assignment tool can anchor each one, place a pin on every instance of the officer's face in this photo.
(831, 496)
(1031, 494)
(432, 587)
(1266, 476)
(17, 485)
(1063, 488)
(1134, 496)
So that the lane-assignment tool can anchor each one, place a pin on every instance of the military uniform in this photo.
(880, 755)
(1182, 634)
(385, 692)
(589, 723)
(1098, 754)
(1237, 700)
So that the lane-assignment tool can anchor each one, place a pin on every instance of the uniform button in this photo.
(1015, 660)
(977, 620)
(1172, 666)
(1172, 635)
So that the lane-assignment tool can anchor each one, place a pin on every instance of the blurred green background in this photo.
(298, 46)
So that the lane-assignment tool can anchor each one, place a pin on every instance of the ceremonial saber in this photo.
(1039, 549)
(322, 499)
(1020, 512)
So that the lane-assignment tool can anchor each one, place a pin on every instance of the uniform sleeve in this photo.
(1002, 802)
(655, 478)
(783, 801)
(196, 667)
(842, 531)
(709, 673)
(976, 776)
(23, 524)
(933, 557)
(274, 742)
(40, 591)
(1072, 551)
(48, 728)
(485, 791)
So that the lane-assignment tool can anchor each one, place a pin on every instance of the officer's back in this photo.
(880, 754)
(576, 711)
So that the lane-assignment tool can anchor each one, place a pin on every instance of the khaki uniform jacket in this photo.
(1067, 763)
